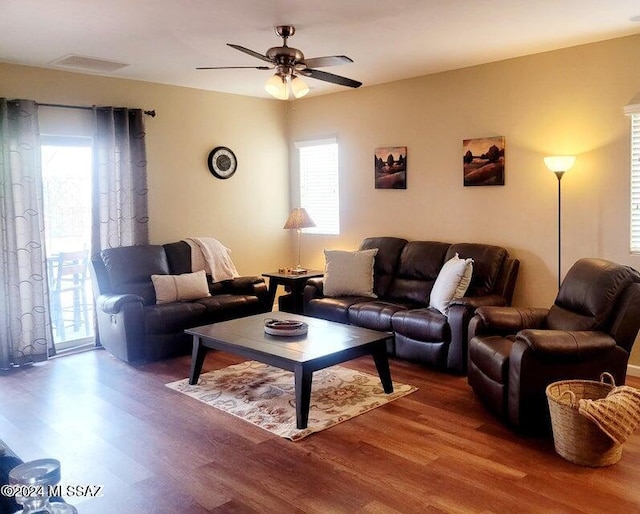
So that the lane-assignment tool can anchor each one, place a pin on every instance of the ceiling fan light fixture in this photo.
(290, 62)
(276, 86)
(298, 87)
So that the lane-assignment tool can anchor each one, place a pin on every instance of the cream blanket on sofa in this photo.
(211, 255)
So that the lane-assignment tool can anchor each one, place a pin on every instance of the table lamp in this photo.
(298, 219)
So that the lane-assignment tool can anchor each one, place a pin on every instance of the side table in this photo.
(294, 283)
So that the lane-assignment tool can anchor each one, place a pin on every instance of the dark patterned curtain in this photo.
(25, 328)
(119, 205)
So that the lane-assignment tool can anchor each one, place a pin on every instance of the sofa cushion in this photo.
(333, 309)
(487, 263)
(229, 306)
(375, 315)
(142, 289)
(426, 324)
(452, 282)
(419, 265)
(418, 351)
(180, 288)
(131, 264)
(587, 294)
(491, 355)
(349, 273)
(178, 257)
(171, 318)
(129, 269)
(386, 261)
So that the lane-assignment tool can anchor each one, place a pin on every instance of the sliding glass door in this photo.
(66, 173)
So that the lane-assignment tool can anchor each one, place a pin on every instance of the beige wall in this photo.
(245, 212)
(564, 102)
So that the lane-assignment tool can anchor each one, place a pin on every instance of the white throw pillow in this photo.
(452, 282)
(180, 288)
(349, 273)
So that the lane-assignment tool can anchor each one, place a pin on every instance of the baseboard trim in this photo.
(633, 370)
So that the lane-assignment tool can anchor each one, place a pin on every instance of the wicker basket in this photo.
(577, 438)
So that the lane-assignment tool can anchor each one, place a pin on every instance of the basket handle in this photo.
(610, 380)
(572, 397)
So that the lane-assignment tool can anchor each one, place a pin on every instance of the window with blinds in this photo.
(319, 193)
(635, 182)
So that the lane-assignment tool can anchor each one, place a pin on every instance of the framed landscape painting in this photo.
(483, 161)
(390, 165)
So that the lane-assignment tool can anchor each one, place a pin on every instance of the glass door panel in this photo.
(66, 172)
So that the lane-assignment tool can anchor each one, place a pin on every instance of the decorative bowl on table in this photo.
(285, 327)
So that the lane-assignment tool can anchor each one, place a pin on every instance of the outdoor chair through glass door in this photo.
(66, 172)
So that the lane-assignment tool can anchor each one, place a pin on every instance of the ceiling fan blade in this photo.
(250, 52)
(330, 60)
(329, 77)
(234, 67)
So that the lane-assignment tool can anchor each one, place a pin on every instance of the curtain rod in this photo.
(85, 108)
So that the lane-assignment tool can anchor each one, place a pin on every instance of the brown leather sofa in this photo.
(514, 353)
(134, 328)
(404, 274)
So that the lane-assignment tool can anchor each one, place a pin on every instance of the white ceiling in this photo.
(164, 41)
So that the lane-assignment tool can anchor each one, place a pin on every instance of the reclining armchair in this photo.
(514, 353)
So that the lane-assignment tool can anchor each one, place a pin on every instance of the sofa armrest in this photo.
(474, 302)
(461, 310)
(562, 345)
(247, 285)
(113, 303)
(313, 289)
(534, 364)
(510, 320)
(121, 325)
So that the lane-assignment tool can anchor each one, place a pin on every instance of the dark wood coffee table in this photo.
(326, 343)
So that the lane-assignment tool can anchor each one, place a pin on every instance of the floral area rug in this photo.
(265, 396)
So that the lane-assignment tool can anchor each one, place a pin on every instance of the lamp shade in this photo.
(299, 218)
(298, 87)
(276, 86)
(560, 163)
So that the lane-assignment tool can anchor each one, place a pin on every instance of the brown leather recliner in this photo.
(514, 353)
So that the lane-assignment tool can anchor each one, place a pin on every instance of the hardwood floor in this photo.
(157, 451)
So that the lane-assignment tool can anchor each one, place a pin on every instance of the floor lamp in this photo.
(298, 219)
(559, 165)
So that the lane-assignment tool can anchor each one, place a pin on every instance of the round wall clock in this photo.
(222, 162)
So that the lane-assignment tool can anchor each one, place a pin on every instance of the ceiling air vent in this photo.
(80, 62)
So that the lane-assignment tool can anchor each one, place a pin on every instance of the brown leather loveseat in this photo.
(133, 327)
(404, 276)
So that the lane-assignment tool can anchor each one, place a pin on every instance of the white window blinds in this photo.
(635, 182)
(633, 110)
(319, 193)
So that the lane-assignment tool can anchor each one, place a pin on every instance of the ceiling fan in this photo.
(289, 64)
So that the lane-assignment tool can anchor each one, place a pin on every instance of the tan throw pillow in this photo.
(349, 273)
(180, 288)
(452, 282)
